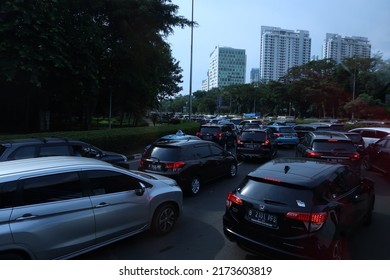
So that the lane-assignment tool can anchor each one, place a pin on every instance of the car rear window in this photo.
(286, 130)
(211, 130)
(356, 138)
(164, 153)
(276, 193)
(333, 145)
(253, 136)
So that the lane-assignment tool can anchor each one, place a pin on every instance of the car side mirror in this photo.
(141, 190)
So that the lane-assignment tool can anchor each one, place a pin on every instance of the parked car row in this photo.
(303, 207)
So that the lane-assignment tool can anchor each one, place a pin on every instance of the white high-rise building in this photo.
(281, 49)
(227, 66)
(338, 48)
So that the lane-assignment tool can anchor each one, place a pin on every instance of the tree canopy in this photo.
(62, 61)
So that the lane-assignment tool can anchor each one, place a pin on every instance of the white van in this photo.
(371, 134)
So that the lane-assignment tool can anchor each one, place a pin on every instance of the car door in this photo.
(119, 203)
(203, 163)
(380, 154)
(218, 161)
(352, 200)
(53, 218)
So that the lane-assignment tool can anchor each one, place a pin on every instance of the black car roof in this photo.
(296, 171)
(180, 143)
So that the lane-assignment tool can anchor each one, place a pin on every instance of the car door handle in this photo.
(103, 204)
(26, 217)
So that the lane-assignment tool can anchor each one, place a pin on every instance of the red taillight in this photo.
(312, 154)
(175, 165)
(355, 156)
(232, 198)
(332, 140)
(142, 162)
(219, 134)
(312, 220)
(198, 133)
(277, 134)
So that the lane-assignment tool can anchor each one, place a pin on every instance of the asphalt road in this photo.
(198, 233)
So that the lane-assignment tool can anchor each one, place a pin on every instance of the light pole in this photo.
(192, 42)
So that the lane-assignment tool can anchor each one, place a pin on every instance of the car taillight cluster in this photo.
(232, 198)
(310, 153)
(175, 165)
(218, 134)
(198, 133)
(312, 221)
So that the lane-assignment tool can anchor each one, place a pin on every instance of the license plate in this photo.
(155, 167)
(262, 218)
(207, 137)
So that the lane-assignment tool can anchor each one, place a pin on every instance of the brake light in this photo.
(312, 221)
(312, 154)
(239, 139)
(175, 165)
(219, 134)
(277, 134)
(198, 133)
(142, 162)
(332, 140)
(232, 198)
(355, 156)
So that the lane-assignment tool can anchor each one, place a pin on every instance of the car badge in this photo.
(301, 203)
(261, 207)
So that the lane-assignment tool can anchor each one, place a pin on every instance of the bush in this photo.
(120, 140)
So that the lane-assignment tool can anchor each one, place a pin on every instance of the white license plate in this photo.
(263, 218)
(155, 167)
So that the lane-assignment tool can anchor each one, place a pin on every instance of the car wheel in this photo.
(366, 163)
(194, 186)
(164, 219)
(338, 249)
(232, 170)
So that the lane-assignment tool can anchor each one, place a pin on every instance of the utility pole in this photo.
(192, 43)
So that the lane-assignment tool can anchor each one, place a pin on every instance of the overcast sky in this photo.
(237, 24)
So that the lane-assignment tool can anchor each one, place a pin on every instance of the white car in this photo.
(371, 134)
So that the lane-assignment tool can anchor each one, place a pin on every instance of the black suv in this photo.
(190, 163)
(256, 143)
(302, 208)
(50, 146)
(221, 134)
(330, 146)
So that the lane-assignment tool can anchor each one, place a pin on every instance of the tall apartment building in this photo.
(227, 66)
(338, 48)
(281, 49)
(254, 76)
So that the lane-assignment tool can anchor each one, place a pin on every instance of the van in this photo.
(60, 207)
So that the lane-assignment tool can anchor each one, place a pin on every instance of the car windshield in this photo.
(333, 146)
(253, 136)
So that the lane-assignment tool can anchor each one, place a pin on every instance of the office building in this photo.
(281, 49)
(338, 48)
(254, 75)
(227, 66)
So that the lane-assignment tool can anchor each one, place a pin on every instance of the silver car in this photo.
(60, 207)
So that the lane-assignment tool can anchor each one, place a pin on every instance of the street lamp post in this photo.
(192, 42)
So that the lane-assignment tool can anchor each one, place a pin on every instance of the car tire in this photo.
(194, 186)
(164, 219)
(232, 170)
